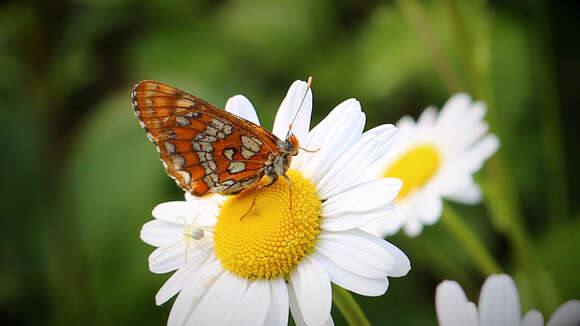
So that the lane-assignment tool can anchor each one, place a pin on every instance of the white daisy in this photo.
(283, 256)
(436, 158)
(499, 305)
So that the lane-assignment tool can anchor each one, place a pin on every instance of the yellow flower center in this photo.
(274, 236)
(415, 168)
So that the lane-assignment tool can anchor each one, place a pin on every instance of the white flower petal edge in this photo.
(533, 318)
(458, 135)
(242, 107)
(311, 286)
(567, 315)
(452, 306)
(294, 98)
(278, 310)
(499, 304)
(358, 261)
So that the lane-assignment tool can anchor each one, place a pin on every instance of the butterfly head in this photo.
(291, 145)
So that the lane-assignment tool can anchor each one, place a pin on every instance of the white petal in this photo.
(166, 259)
(453, 308)
(427, 118)
(288, 109)
(213, 199)
(567, 315)
(220, 302)
(469, 135)
(278, 310)
(347, 169)
(406, 124)
(297, 314)
(386, 135)
(329, 321)
(453, 108)
(362, 197)
(468, 194)
(295, 308)
(354, 220)
(159, 233)
(352, 252)
(429, 208)
(413, 227)
(243, 108)
(311, 284)
(183, 306)
(331, 137)
(499, 302)
(172, 211)
(481, 151)
(401, 264)
(194, 289)
(254, 304)
(362, 253)
(178, 280)
(450, 179)
(533, 318)
(390, 224)
(352, 281)
(477, 111)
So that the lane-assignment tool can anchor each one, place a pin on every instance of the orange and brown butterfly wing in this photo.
(205, 149)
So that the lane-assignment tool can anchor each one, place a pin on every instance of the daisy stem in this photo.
(465, 45)
(480, 255)
(348, 307)
(542, 52)
(415, 15)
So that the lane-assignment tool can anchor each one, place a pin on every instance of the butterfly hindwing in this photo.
(205, 149)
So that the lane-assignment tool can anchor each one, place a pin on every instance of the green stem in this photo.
(541, 52)
(481, 257)
(414, 13)
(465, 45)
(348, 307)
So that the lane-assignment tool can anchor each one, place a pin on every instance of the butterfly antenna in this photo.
(309, 84)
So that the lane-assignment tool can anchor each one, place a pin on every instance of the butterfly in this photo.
(205, 149)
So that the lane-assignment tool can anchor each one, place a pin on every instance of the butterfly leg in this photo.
(290, 190)
(272, 181)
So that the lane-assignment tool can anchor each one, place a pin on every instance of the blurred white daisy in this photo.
(499, 305)
(283, 256)
(435, 158)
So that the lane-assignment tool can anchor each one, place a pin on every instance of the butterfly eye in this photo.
(291, 145)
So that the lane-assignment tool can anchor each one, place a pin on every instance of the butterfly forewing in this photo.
(205, 149)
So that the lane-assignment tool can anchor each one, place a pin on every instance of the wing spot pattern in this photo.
(229, 153)
(178, 161)
(211, 180)
(182, 121)
(192, 115)
(209, 167)
(236, 167)
(185, 176)
(169, 147)
(204, 157)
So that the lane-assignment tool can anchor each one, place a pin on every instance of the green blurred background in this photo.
(79, 178)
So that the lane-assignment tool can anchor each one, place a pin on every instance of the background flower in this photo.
(436, 158)
(499, 305)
